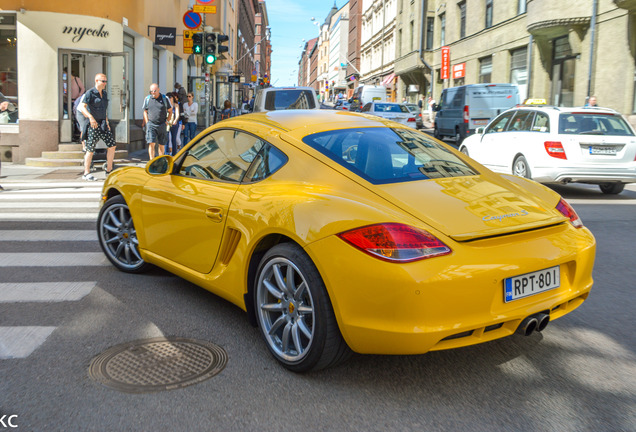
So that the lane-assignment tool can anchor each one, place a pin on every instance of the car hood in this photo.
(467, 208)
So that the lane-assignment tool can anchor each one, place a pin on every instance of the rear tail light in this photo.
(411, 119)
(567, 211)
(555, 149)
(466, 116)
(395, 242)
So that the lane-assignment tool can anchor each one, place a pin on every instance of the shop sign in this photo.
(459, 70)
(234, 78)
(80, 32)
(166, 36)
(445, 72)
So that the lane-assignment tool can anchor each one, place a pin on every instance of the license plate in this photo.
(480, 122)
(603, 150)
(532, 283)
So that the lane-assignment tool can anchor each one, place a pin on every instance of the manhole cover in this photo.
(157, 364)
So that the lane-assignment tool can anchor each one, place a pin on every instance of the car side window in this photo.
(499, 124)
(522, 121)
(266, 163)
(541, 123)
(221, 155)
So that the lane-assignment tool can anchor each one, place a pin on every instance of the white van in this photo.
(463, 109)
(365, 94)
(283, 98)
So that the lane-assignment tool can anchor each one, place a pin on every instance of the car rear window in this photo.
(386, 155)
(593, 124)
(384, 107)
(289, 99)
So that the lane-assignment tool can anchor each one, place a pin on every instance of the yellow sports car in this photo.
(340, 232)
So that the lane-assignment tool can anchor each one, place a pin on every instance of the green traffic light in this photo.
(197, 49)
(210, 59)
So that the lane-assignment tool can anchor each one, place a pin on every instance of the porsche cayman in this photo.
(340, 232)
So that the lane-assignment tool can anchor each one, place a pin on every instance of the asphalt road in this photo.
(578, 375)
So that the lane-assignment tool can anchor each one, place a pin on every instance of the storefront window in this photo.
(485, 69)
(8, 70)
(519, 70)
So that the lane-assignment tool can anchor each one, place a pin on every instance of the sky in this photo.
(291, 24)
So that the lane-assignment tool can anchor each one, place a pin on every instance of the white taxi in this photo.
(559, 145)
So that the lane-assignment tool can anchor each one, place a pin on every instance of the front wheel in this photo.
(521, 168)
(294, 312)
(118, 238)
(612, 188)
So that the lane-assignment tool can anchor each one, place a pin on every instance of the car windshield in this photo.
(593, 124)
(289, 99)
(386, 155)
(384, 107)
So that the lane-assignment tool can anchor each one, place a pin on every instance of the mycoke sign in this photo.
(79, 32)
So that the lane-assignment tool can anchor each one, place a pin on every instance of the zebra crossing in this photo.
(27, 211)
(34, 200)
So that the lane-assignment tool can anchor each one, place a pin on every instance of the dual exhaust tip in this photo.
(529, 325)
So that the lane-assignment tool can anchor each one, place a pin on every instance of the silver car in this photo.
(391, 111)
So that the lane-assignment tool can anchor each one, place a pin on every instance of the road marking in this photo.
(36, 195)
(20, 342)
(48, 235)
(79, 259)
(44, 291)
(23, 205)
(46, 216)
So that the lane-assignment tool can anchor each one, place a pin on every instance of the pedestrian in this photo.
(181, 93)
(591, 102)
(191, 110)
(252, 103)
(94, 107)
(157, 110)
(228, 111)
(175, 125)
(431, 110)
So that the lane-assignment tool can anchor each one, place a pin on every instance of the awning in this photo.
(388, 80)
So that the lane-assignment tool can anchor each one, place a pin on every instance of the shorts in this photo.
(156, 133)
(100, 132)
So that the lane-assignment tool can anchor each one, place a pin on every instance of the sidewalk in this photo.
(14, 173)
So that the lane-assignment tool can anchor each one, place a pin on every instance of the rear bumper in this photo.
(585, 174)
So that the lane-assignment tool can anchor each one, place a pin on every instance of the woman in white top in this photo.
(190, 109)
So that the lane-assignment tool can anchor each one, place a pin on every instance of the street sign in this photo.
(187, 50)
(205, 2)
(191, 20)
(204, 9)
(187, 34)
(188, 43)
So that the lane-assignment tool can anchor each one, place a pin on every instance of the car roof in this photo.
(558, 110)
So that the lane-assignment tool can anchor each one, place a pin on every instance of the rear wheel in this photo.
(294, 312)
(521, 168)
(612, 188)
(464, 150)
(436, 133)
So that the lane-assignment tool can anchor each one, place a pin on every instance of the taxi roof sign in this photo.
(535, 102)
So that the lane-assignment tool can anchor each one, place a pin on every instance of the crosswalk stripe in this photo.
(36, 195)
(48, 216)
(20, 342)
(54, 204)
(36, 259)
(44, 291)
(48, 235)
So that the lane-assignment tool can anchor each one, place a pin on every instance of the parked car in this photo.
(340, 232)
(463, 109)
(417, 112)
(342, 105)
(559, 145)
(390, 111)
(285, 98)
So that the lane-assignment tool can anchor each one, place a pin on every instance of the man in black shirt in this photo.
(157, 111)
(94, 107)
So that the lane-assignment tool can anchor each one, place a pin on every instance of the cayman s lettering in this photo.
(504, 216)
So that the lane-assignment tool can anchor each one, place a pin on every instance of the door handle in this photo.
(214, 213)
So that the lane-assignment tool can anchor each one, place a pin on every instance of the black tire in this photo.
(118, 238)
(294, 312)
(458, 137)
(521, 168)
(436, 133)
(612, 188)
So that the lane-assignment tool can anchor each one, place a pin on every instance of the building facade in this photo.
(377, 44)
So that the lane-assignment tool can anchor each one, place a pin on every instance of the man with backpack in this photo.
(157, 111)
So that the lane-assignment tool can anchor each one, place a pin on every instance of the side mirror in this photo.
(437, 107)
(479, 131)
(160, 165)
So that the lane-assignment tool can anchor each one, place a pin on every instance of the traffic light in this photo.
(210, 48)
(220, 48)
(197, 43)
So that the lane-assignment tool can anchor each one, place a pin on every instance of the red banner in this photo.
(459, 70)
(445, 72)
